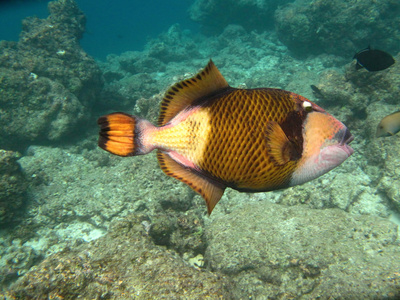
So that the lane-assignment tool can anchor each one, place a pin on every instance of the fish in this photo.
(389, 125)
(373, 59)
(212, 136)
(317, 91)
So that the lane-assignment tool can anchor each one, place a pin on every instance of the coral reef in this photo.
(246, 60)
(293, 251)
(104, 227)
(308, 27)
(13, 186)
(268, 250)
(214, 15)
(15, 260)
(135, 75)
(123, 264)
(48, 82)
(76, 195)
(367, 97)
(359, 89)
(389, 182)
(338, 27)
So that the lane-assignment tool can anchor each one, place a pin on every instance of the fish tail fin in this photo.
(121, 134)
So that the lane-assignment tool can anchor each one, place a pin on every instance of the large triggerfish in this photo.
(212, 136)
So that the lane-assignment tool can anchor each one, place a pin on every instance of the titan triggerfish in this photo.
(212, 136)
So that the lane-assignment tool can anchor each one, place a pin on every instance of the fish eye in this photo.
(307, 106)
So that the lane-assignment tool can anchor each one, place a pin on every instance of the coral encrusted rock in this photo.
(215, 15)
(338, 27)
(12, 186)
(48, 83)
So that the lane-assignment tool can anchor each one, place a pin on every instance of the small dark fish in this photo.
(373, 59)
(390, 125)
(316, 90)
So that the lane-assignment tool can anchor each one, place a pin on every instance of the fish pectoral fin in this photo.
(210, 190)
(280, 148)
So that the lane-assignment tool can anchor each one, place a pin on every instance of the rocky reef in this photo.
(49, 84)
(215, 15)
(98, 226)
(338, 27)
(13, 186)
(364, 99)
(123, 264)
(298, 253)
(308, 27)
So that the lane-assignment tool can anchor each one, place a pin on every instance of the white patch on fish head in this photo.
(325, 146)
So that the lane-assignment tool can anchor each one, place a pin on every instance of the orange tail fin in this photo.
(119, 134)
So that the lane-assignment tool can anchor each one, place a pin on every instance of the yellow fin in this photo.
(209, 190)
(280, 148)
(182, 94)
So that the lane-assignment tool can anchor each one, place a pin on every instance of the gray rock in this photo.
(13, 186)
(269, 250)
(48, 82)
(338, 27)
(214, 15)
(123, 264)
(389, 183)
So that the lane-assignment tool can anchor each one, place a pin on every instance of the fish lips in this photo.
(345, 139)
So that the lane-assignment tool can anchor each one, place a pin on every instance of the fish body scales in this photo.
(236, 150)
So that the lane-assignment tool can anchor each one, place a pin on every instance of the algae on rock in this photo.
(48, 82)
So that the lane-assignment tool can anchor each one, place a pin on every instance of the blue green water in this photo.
(112, 26)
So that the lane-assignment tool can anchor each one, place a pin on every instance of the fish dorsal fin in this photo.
(207, 82)
(211, 191)
(280, 148)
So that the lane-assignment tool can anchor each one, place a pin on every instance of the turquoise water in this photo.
(79, 222)
(112, 26)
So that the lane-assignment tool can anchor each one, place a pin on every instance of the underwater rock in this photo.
(161, 229)
(389, 183)
(15, 260)
(182, 232)
(13, 186)
(96, 188)
(268, 250)
(333, 191)
(49, 84)
(364, 98)
(129, 77)
(214, 15)
(123, 264)
(338, 27)
(358, 90)
(36, 109)
(134, 75)
(173, 45)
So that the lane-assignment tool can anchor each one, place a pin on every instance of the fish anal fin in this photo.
(280, 148)
(209, 190)
(182, 94)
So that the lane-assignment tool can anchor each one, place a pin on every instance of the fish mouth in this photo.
(346, 139)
